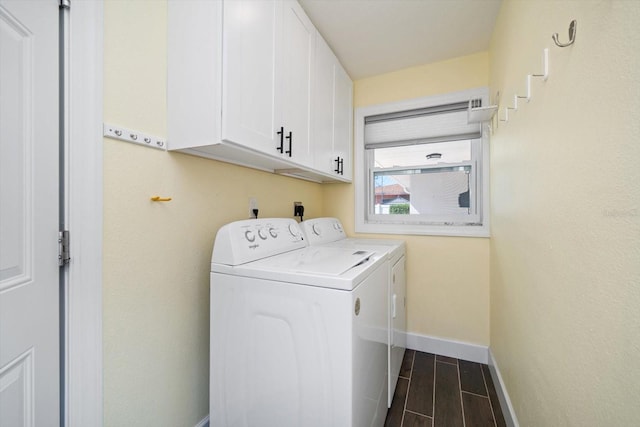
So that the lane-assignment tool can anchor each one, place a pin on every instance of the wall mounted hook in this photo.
(160, 199)
(572, 35)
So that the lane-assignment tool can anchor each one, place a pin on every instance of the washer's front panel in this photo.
(280, 354)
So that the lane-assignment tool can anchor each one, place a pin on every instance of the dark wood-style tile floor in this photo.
(439, 391)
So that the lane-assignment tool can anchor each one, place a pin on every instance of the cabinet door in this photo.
(343, 120)
(194, 73)
(296, 74)
(323, 92)
(251, 43)
(333, 93)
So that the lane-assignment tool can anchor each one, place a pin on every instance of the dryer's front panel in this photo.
(370, 349)
(397, 323)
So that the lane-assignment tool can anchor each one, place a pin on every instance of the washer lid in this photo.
(321, 266)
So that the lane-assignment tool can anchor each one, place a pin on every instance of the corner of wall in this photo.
(503, 396)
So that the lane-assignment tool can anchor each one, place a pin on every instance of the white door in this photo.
(332, 114)
(251, 42)
(29, 285)
(296, 74)
(323, 98)
(343, 120)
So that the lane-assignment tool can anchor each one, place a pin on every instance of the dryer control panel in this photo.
(250, 240)
(323, 230)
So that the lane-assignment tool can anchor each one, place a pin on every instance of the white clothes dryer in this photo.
(329, 232)
(298, 333)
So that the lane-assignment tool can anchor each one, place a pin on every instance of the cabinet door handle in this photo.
(290, 138)
(337, 169)
(342, 166)
(281, 133)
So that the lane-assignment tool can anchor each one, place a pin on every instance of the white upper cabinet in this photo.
(323, 107)
(251, 52)
(194, 78)
(268, 49)
(343, 121)
(297, 79)
(241, 76)
(332, 118)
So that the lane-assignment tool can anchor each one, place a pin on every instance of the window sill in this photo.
(424, 230)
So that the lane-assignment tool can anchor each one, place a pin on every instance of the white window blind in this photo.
(434, 124)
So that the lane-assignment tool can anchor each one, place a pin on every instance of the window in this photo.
(422, 168)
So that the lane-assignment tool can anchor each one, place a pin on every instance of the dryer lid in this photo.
(323, 261)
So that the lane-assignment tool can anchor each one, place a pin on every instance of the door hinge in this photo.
(64, 4)
(63, 248)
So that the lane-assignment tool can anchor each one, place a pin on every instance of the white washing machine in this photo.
(329, 232)
(298, 333)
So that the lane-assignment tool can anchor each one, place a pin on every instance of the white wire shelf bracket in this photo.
(544, 75)
(478, 114)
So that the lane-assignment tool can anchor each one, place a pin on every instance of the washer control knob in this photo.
(316, 229)
(273, 232)
(249, 236)
(262, 233)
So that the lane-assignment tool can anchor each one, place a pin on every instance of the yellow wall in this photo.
(447, 277)
(156, 255)
(565, 258)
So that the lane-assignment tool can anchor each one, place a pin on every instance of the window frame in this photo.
(400, 224)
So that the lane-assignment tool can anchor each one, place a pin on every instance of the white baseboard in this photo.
(459, 350)
(505, 402)
(203, 422)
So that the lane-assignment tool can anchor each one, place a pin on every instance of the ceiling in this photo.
(372, 37)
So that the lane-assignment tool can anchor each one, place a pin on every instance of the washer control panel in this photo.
(323, 230)
(249, 240)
